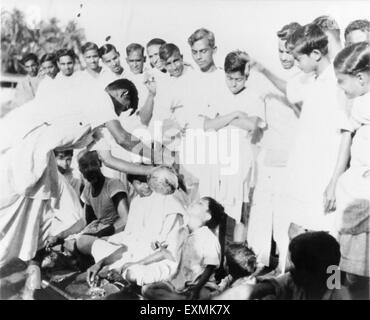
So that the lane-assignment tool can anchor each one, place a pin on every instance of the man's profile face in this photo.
(31, 67)
(66, 65)
(154, 59)
(175, 65)
(305, 62)
(203, 54)
(135, 61)
(285, 56)
(112, 61)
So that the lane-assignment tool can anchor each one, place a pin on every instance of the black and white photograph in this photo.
(185, 150)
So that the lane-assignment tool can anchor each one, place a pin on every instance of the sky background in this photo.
(247, 25)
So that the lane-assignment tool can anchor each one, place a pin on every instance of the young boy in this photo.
(111, 59)
(64, 160)
(152, 49)
(66, 62)
(314, 152)
(357, 31)
(27, 86)
(49, 65)
(203, 47)
(90, 52)
(105, 199)
(238, 111)
(282, 110)
(139, 185)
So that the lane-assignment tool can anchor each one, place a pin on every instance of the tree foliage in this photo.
(18, 38)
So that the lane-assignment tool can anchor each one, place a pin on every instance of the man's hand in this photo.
(329, 198)
(256, 65)
(151, 84)
(52, 241)
(92, 273)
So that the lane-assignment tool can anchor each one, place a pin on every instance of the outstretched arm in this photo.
(126, 140)
(121, 165)
(279, 83)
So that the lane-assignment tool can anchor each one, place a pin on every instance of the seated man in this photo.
(154, 222)
(64, 160)
(105, 199)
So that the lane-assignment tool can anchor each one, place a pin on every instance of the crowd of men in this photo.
(192, 163)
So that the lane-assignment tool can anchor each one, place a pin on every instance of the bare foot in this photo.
(33, 282)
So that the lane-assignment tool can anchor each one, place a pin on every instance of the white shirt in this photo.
(200, 249)
(315, 150)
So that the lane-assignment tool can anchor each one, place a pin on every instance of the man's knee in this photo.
(84, 244)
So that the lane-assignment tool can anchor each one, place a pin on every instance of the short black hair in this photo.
(139, 177)
(65, 52)
(235, 61)
(49, 57)
(68, 152)
(155, 41)
(134, 47)
(89, 46)
(132, 92)
(307, 39)
(240, 259)
(312, 253)
(28, 57)
(104, 49)
(167, 50)
(286, 31)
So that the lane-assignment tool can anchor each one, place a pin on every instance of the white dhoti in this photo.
(36, 201)
(260, 225)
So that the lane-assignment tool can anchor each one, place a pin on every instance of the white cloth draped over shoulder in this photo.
(28, 173)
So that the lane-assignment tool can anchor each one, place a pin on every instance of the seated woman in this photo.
(200, 256)
(154, 222)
